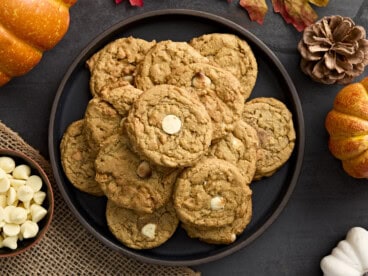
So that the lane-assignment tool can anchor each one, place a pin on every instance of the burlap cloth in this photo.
(68, 248)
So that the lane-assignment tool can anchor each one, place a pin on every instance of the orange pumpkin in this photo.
(347, 124)
(27, 29)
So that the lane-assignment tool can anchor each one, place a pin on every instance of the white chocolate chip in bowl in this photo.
(22, 171)
(4, 184)
(35, 182)
(171, 124)
(26, 207)
(7, 164)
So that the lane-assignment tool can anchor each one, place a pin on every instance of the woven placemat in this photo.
(68, 248)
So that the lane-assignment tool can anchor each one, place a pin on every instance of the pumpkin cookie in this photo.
(217, 89)
(156, 67)
(121, 95)
(130, 181)
(221, 235)
(274, 125)
(239, 148)
(231, 53)
(117, 61)
(212, 193)
(169, 127)
(141, 231)
(77, 159)
(101, 121)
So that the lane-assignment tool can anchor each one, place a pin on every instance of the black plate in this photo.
(270, 195)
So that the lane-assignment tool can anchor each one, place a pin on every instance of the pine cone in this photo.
(333, 50)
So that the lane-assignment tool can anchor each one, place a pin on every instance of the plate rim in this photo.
(299, 146)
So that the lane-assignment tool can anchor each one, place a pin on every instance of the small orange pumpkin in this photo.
(347, 124)
(27, 29)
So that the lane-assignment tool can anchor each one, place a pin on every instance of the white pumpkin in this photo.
(349, 257)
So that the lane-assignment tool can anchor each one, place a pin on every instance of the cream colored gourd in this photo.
(349, 257)
(27, 29)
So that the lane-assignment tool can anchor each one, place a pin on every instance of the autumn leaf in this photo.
(299, 13)
(319, 3)
(137, 3)
(256, 9)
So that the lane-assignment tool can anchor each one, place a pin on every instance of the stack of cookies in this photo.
(170, 136)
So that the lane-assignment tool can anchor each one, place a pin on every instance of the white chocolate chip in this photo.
(233, 237)
(4, 184)
(3, 201)
(10, 242)
(22, 171)
(11, 229)
(7, 211)
(37, 212)
(149, 230)
(25, 193)
(217, 203)
(39, 197)
(35, 182)
(2, 173)
(7, 164)
(29, 229)
(128, 78)
(11, 196)
(200, 80)
(18, 215)
(236, 143)
(16, 183)
(144, 170)
(2, 214)
(26, 205)
(171, 124)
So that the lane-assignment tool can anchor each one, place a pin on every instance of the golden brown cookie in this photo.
(221, 235)
(117, 61)
(169, 127)
(141, 231)
(130, 181)
(275, 129)
(231, 53)
(212, 193)
(101, 121)
(77, 159)
(157, 65)
(239, 148)
(217, 89)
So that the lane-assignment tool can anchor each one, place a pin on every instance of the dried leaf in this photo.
(319, 3)
(296, 12)
(137, 3)
(256, 9)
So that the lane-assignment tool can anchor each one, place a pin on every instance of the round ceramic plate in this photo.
(269, 195)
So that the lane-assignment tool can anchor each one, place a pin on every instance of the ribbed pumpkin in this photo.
(27, 29)
(347, 124)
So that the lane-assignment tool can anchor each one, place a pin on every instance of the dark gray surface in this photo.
(326, 202)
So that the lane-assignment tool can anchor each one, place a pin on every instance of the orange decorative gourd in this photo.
(27, 29)
(347, 124)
